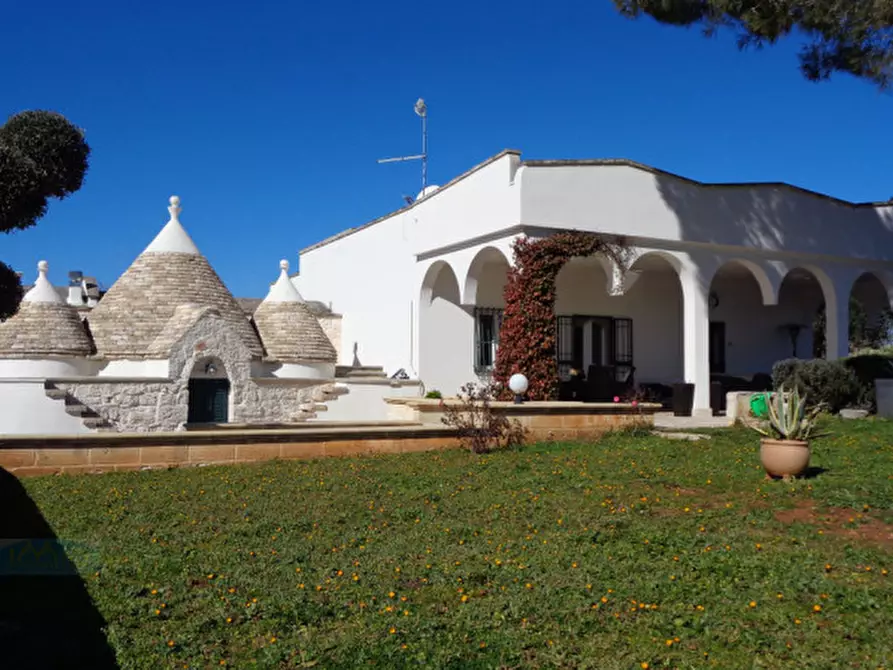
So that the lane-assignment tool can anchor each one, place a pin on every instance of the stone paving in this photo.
(666, 421)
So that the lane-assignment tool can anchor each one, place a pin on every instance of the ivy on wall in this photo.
(528, 334)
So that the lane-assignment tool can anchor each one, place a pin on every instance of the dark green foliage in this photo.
(852, 36)
(42, 155)
(863, 332)
(434, 394)
(867, 369)
(827, 383)
(10, 291)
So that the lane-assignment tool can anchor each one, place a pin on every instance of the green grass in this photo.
(628, 551)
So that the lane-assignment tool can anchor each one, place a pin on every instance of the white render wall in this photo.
(637, 203)
(28, 411)
(365, 400)
(373, 279)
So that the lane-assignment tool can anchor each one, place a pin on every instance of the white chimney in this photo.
(75, 296)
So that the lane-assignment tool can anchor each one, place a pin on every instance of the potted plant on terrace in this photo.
(784, 449)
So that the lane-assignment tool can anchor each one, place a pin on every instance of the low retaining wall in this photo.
(419, 428)
(106, 452)
(543, 420)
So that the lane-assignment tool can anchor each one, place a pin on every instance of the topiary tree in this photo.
(528, 332)
(42, 156)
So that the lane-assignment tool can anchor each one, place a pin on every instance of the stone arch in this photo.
(482, 268)
(209, 392)
(212, 339)
(768, 288)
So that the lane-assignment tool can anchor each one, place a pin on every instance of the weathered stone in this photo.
(853, 413)
(146, 406)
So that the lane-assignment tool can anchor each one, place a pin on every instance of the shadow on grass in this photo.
(47, 618)
(812, 472)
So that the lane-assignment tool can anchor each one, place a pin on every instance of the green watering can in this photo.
(758, 405)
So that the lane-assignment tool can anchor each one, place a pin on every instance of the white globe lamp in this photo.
(518, 385)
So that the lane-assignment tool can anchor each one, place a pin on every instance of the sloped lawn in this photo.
(632, 552)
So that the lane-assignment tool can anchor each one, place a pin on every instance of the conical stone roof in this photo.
(169, 273)
(45, 325)
(290, 333)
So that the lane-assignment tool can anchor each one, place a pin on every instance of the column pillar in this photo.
(696, 337)
(837, 325)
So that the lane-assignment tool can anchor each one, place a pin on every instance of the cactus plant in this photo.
(788, 417)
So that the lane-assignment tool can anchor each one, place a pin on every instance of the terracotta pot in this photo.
(784, 458)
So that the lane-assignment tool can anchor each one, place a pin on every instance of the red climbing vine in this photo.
(528, 334)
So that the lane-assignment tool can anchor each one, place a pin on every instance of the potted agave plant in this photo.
(784, 449)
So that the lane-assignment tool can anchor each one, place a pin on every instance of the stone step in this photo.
(55, 394)
(77, 409)
(98, 423)
(365, 371)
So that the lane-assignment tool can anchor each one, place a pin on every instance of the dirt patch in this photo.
(679, 490)
(841, 522)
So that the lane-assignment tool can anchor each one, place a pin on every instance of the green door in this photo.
(208, 401)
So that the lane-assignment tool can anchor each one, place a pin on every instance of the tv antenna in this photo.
(421, 110)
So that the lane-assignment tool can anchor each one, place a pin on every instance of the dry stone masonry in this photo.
(165, 329)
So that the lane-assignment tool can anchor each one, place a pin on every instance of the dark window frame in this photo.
(622, 347)
(485, 350)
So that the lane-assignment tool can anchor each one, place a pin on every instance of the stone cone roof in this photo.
(45, 325)
(290, 333)
(131, 320)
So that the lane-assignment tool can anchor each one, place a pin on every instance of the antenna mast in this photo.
(421, 109)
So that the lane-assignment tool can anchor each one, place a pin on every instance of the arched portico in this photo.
(871, 297)
(445, 331)
(632, 336)
(486, 278)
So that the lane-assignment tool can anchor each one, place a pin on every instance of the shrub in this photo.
(868, 368)
(434, 394)
(480, 428)
(829, 384)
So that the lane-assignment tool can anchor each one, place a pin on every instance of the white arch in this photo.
(430, 279)
(481, 259)
(836, 311)
(884, 277)
(829, 292)
(768, 287)
(621, 280)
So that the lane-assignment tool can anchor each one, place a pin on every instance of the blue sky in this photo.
(267, 117)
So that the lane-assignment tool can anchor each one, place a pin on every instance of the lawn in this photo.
(631, 552)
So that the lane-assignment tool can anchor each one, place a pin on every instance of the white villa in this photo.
(726, 278)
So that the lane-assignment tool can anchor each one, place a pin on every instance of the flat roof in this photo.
(598, 162)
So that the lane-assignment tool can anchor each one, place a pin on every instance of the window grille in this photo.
(487, 323)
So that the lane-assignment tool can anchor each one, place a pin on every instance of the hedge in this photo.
(836, 384)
